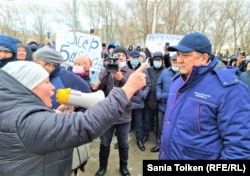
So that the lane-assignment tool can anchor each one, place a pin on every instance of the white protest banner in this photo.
(156, 42)
(71, 44)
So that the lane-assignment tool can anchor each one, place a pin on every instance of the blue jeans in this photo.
(121, 132)
(137, 115)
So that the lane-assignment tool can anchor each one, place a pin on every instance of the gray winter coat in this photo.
(36, 141)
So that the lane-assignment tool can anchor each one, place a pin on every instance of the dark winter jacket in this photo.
(245, 77)
(37, 141)
(62, 78)
(140, 96)
(108, 82)
(153, 75)
(167, 61)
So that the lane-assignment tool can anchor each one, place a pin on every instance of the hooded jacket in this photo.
(110, 45)
(162, 87)
(37, 141)
(28, 51)
(245, 76)
(207, 116)
(153, 75)
(9, 42)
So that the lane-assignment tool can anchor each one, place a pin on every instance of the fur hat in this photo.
(27, 73)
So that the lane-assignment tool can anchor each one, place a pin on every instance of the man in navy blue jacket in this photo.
(162, 90)
(204, 119)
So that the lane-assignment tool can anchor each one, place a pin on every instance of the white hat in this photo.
(28, 73)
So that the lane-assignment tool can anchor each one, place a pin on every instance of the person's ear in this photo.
(205, 58)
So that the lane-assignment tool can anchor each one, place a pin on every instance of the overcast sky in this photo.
(53, 4)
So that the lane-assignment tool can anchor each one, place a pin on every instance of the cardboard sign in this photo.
(71, 44)
(157, 42)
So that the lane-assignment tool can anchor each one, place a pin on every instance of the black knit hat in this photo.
(120, 50)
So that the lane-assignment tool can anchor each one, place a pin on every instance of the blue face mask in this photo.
(134, 62)
(157, 64)
(174, 68)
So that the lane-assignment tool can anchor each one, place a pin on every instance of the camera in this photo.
(92, 31)
(167, 44)
(113, 65)
(243, 54)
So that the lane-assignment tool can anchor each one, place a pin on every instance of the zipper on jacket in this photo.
(172, 122)
(167, 123)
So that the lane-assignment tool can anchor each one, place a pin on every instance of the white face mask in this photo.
(174, 68)
(77, 69)
(122, 64)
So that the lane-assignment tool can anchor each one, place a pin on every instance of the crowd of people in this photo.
(185, 94)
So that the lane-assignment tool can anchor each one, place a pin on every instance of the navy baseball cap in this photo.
(193, 42)
(134, 53)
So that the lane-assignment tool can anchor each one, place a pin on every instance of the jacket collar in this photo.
(55, 72)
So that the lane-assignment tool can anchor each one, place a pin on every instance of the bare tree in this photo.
(244, 25)
(22, 20)
(108, 20)
(64, 14)
(41, 20)
(188, 20)
(172, 13)
(141, 17)
(206, 14)
(226, 22)
(101, 15)
(236, 13)
(8, 25)
(246, 39)
(219, 27)
(124, 31)
(92, 10)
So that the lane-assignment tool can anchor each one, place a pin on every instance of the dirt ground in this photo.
(135, 157)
